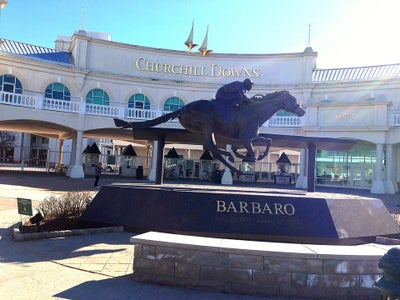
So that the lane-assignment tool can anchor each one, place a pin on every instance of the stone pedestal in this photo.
(247, 213)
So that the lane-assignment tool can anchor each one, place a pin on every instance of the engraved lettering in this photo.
(278, 208)
(231, 207)
(289, 209)
(345, 116)
(267, 209)
(254, 207)
(243, 207)
(221, 207)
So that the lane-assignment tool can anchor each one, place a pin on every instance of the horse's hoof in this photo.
(231, 159)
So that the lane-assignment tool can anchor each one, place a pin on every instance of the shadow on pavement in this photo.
(61, 248)
(124, 287)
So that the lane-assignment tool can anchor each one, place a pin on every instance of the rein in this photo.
(262, 98)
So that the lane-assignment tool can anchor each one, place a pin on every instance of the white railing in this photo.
(144, 114)
(60, 105)
(102, 110)
(120, 111)
(357, 73)
(283, 121)
(17, 99)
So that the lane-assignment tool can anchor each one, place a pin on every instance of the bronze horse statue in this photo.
(220, 118)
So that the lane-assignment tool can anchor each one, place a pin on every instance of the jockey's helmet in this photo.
(248, 84)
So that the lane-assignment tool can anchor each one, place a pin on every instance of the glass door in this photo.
(361, 176)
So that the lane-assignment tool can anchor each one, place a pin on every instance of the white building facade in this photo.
(73, 92)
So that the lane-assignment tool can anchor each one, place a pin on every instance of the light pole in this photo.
(3, 4)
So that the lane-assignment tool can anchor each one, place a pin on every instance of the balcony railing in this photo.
(283, 121)
(17, 99)
(60, 105)
(357, 73)
(102, 110)
(112, 111)
(143, 114)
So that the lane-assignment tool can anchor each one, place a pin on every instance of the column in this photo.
(77, 169)
(160, 161)
(152, 171)
(227, 176)
(301, 181)
(311, 167)
(390, 186)
(377, 185)
(60, 147)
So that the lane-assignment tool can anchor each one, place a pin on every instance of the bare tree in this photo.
(7, 140)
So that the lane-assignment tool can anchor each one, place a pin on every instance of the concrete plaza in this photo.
(97, 266)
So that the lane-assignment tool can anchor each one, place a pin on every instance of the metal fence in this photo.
(33, 159)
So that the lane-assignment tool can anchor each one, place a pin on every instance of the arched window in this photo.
(97, 96)
(58, 91)
(173, 103)
(10, 84)
(139, 101)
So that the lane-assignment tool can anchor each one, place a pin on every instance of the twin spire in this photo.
(189, 41)
(203, 48)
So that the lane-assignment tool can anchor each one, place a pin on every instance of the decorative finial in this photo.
(189, 41)
(83, 18)
(309, 49)
(203, 48)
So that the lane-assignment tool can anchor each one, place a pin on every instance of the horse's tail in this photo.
(122, 123)
(148, 123)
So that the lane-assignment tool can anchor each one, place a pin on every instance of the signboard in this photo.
(347, 116)
(189, 164)
(24, 206)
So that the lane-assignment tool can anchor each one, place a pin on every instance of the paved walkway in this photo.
(97, 266)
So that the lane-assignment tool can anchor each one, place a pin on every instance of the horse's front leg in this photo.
(264, 141)
(237, 154)
(250, 155)
(208, 144)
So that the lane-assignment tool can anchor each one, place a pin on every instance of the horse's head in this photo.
(290, 104)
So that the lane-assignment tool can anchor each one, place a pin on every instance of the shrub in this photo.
(396, 217)
(68, 205)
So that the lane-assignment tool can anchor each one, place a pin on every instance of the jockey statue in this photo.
(235, 92)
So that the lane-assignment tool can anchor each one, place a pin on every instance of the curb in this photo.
(21, 237)
(383, 240)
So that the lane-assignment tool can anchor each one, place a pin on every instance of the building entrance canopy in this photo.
(164, 135)
(179, 136)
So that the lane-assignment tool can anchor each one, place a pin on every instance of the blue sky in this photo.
(343, 32)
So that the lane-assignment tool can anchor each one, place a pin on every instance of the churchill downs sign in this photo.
(213, 70)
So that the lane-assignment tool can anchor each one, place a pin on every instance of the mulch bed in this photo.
(58, 225)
